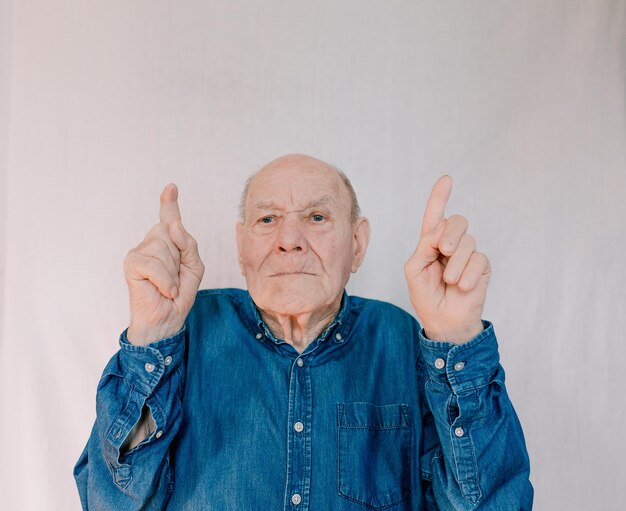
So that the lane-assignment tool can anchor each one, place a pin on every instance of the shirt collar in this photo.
(337, 330)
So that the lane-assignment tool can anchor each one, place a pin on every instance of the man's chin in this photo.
(286, 300)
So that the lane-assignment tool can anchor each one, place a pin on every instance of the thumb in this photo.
(427, 250)
(189, 257)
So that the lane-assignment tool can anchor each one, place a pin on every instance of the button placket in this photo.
(299, 437)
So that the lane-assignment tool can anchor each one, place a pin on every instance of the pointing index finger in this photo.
(169, 211)
(436, 205)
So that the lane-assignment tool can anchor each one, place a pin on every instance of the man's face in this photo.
(297, 244)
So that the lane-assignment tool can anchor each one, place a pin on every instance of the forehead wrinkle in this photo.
(314, 203)
(322, 201)
(301, 162)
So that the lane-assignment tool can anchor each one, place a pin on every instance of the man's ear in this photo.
(239, 229)
(360, 242)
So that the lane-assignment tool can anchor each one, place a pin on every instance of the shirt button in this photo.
(440, 363)
(298, 426)
(149, 367)
(167, 360)
(296, 499)
(259, 335)
(300, 363)
(459, 432)
(158, 434)
(459, 366)
(338, 337)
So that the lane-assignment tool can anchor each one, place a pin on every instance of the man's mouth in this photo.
(286, 273)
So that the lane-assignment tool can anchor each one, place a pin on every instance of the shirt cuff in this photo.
(464, 366)
(145, 366)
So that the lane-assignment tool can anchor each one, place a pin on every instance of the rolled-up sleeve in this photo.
(136, 376)
(473, 450)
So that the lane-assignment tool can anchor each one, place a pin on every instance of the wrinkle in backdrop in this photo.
(521, 102)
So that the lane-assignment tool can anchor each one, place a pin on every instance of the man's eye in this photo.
(267, 220)
(318, 218)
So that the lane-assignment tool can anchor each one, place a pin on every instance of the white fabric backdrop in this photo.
(102, 103)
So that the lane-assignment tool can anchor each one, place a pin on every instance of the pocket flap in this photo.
(368, 415)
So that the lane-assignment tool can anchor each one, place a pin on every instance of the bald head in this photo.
(302, 161)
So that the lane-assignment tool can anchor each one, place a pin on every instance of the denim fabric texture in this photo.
(371, 416)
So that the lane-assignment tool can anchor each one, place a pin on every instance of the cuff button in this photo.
(459, 366)
(149, 367)
(168, 360)
(440, 363)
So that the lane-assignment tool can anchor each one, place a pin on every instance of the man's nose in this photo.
(290, 237)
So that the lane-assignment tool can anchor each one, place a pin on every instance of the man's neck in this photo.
(301, 329)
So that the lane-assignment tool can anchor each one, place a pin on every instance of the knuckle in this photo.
(159, 248)
(158, 231)
(408, 267)
(483, 259)
(460, 220)
(487, 262)
(149, 246)
(465, 285)
(161, 245)
(130, 258)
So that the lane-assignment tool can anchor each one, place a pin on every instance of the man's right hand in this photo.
(163, 274)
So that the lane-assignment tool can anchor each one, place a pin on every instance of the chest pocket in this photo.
(374, 453)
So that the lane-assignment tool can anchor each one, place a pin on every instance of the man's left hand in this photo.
(447, 277)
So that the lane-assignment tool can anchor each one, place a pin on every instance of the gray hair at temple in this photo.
(355, 210)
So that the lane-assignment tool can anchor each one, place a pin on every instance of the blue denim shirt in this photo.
(372, 415)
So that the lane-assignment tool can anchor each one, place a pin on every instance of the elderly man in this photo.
(293, 395)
